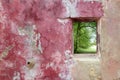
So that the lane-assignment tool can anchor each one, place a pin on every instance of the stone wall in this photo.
(36, 38)
(110, 40)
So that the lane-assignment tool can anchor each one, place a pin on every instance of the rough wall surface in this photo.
(87, 68)
(36, 37)
(110, 40)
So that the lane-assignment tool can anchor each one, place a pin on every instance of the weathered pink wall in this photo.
(110, 40)
(34, 43)
(36, 37)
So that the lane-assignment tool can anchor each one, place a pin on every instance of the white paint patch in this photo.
(9, 64)
(33, 39)
(63, 21)
(32, 46)
(30, 74)
(69, 58)
(69, 63)
(50, 65)
(3, 18)
(68, 54)
(21, 31)
(39, 44)
(62, 75)
(70, 7)
(65, 76)
(16, 76)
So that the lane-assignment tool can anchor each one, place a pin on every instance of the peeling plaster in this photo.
(70, 7)
(69, 58)
(64, 77)
(57, 55)
(31, 72)
(63, 21)
(69, 63)
(9, 64)
(52, 65)
(33, 46)
(5, 52)
(2, 15)
(33, 40)
(16, 76)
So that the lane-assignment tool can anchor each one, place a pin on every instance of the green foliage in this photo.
(84, 36)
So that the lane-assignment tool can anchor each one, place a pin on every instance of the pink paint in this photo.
(33, 31)
(89, 9)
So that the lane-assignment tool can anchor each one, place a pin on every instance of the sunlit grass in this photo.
(91, 49)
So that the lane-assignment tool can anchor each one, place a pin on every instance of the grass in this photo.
(91, 49)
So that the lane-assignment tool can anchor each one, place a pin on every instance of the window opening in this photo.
(85, 37)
